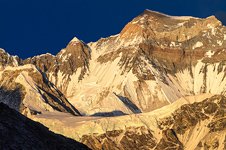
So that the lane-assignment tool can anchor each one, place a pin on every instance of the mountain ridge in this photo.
(159, 83)
(141, 56)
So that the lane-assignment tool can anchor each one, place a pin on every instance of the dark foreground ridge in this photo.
(18, 132)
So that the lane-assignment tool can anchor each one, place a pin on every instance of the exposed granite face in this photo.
(202, 124)
(19, 132)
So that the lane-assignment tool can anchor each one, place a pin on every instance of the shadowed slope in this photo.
(19, 132)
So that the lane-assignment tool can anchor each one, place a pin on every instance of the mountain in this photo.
(158, 84)
(200, 125)
(26, 89)
(194, 122)
(155, 60)
(19, 132)
(63, 68)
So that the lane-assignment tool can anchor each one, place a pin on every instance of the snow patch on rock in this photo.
(209, 53)
(172, 44)
(213, 29)
(173, 17)
(65, 57)
(75, 39)
(219, 42)
(198, 44)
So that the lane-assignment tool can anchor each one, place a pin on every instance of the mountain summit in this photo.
(152, 68)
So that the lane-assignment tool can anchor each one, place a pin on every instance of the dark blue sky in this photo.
(31, 27)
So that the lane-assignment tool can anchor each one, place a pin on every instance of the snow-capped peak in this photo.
(75, 39)
(147, 11)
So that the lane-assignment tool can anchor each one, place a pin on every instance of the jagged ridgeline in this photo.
(152, 62)
(153, 67)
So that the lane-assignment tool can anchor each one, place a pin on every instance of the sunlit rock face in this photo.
(74, 59)
(27, 90)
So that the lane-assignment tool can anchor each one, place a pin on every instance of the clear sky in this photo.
(31, 27)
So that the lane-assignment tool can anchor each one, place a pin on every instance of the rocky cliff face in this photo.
(19, 132)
